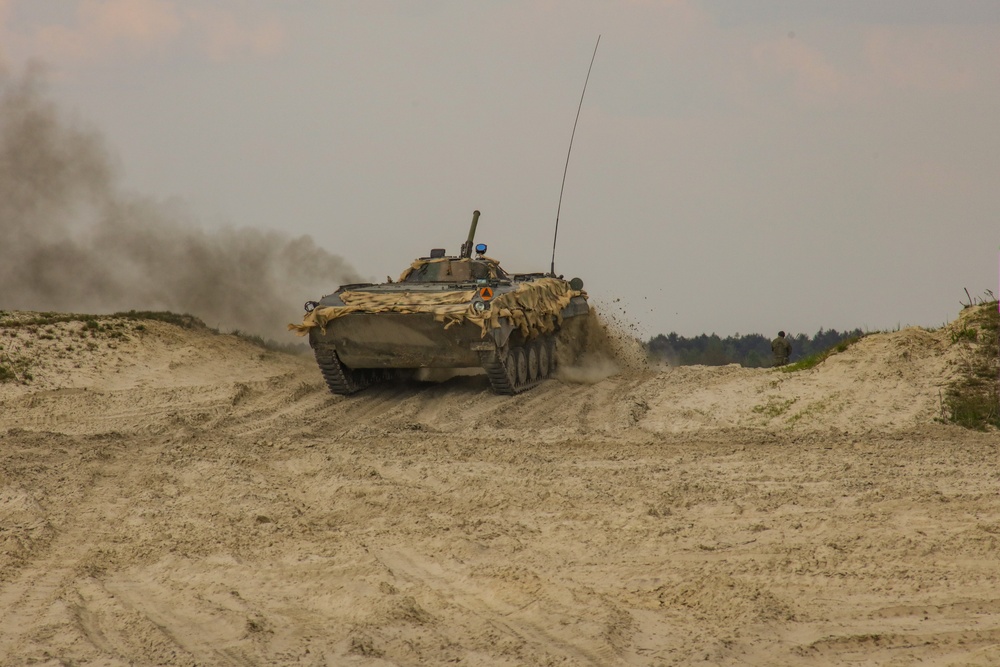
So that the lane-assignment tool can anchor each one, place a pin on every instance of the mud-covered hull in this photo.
(401, 340)
(359, 349)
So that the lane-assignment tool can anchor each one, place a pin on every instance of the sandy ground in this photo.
(177, 497)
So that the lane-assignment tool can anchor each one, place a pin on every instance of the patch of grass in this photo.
(184, 321)
(14, 367)
(101, 322)
(818, 358)
(774, 408)
(965, 333)
(42, 319)
(270, 344)
(810, 410)
(973, 400)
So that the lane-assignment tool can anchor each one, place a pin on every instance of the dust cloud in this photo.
(74, 242)
(605, 349)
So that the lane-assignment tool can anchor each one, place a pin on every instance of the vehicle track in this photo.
(533, 620)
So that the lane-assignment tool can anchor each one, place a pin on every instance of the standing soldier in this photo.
(782, 349)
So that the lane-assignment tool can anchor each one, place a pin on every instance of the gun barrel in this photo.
(467, 247)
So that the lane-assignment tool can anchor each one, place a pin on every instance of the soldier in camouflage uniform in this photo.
(781, 348)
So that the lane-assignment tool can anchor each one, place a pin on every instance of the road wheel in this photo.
(544, 357)
(520, 363)
(533, 365)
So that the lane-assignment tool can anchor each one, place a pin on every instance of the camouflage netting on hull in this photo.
(534, 307)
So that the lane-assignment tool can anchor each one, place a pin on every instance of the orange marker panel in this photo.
(486, 293)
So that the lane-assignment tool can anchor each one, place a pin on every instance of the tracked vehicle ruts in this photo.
(447, 312)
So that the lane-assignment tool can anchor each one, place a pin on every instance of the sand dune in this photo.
(175, 496)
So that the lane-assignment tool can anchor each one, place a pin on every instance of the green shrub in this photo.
(818, 358)
(964, 334)
(973, 400)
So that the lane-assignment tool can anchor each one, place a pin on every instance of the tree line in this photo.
(751, 350)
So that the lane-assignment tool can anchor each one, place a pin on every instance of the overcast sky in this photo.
(739, 166)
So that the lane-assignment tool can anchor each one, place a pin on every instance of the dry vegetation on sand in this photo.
(172, 496)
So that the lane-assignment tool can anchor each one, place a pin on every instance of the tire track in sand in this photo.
(566, 642)
(56, 606)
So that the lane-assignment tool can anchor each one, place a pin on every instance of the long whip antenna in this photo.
(552, 268)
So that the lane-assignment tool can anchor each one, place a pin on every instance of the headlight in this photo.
(478, 306)
(310, 306)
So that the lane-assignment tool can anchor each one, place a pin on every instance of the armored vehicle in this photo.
(446, 311)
